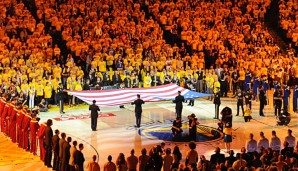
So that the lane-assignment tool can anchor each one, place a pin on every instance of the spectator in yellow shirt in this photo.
(47, 93)
(39, 91)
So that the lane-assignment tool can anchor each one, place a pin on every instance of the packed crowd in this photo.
(200, 45)
(288, 20)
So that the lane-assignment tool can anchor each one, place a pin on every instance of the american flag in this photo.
(116, 97)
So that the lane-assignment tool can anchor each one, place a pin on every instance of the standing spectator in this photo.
(94, 115)
(263, 142)
(138, 110)
(72, 152)
(132, 161)
(109, 166)
(66, 154)
(48, 143)
(275, 142)
(203, 164)
(200, 80)
(192, 155)
(156, 159)
(143, 159)
(216, 158)
(55, 142)
(239, 163)
(217, 102)
(121, 163)
(263, 100)
(31, 97)
(193, 122)
(79, 159)
(92, 165)
(179, 104)
(280, 164)
(251, 144)
(177, 156)
(291, 140)
(167, 160)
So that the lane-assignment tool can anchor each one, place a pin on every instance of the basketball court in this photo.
(116, 132)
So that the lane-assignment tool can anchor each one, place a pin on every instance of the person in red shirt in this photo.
(13, 122)
(4, 121)
(2, 104)
(25, 128)
(8, 117)
(33, 132)
(20, 117)
(41, 140)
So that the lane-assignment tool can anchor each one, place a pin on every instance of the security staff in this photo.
(60, 97)
(240, 96)
(277, 97)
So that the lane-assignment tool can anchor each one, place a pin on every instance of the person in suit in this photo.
(87, 85)
(90, 77)
(116, 79)
(127, 82)
(216, 158)
(155, 80)
(94, 115)
(48, 133)
(61, 142)
(138, 110)
(72, 152)
(79, 158)
(106, 79)
(66, 154)
(135, 82)
(179, 104)
(55, 142)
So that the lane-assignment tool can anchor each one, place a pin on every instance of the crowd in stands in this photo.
(86, 44)
(288, 20)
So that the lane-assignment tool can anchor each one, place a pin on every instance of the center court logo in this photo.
(162, 131)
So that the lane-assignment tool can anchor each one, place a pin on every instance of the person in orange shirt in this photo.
(20, 117)
(13, 122)
(33, 132)
(25, 129)
(41, 140)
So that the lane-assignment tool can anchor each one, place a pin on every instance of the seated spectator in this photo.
(42, 106)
